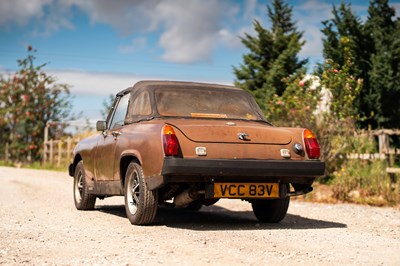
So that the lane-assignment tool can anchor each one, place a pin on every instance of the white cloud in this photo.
(313, 46)
(309, 15)
(136, 44)
(250, 8)
(191, 29)
(397, 8)
(232, 39)
(49, 15)
(93, 83)
(127, 16)
(103, 84)
(21, 11)
(228, 38)
(89, 89)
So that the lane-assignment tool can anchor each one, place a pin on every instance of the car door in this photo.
(107, 144)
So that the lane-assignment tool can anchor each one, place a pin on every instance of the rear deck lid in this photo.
(220, 131)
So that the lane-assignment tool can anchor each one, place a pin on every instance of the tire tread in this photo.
(271, 211)
(148, 204)
(88, 201)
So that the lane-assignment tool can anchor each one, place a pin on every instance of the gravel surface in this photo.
(39, 225)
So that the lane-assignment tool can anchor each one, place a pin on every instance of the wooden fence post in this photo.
(45, 142)
(69, 144)
(51, 151)
(59, 153)
(383, 144)
(388, 155)
(6, 154)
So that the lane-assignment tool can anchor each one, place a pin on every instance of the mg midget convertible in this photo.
(185, 145)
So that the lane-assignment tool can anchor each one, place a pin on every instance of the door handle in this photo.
(115, 133)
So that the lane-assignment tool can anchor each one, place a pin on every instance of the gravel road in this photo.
(40, 225)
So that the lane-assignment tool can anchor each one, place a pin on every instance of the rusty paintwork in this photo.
(210, 137)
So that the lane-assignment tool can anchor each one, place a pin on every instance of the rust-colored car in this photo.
(185, 145)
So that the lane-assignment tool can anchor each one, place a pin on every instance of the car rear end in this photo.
(217, 144)
(279, 156)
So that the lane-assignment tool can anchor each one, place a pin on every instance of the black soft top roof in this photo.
(163, 83)
(153, 85)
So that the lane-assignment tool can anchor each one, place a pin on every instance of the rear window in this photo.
(213, 103)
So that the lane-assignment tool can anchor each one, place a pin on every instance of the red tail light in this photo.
(170, 141)
(311, 144)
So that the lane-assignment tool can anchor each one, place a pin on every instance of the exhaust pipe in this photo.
(186, 197)
(300, 192)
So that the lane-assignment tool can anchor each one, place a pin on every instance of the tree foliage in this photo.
(376, 48)
(358, 84)
(107, 104)
(272, 55)
(324, 103)
(29, 99)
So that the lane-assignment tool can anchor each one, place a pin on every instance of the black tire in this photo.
(140, 203)
(83, 200)
(271, 211)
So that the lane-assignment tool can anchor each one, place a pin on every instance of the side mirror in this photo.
(101, 125)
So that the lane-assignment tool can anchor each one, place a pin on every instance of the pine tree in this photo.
(272, 56)
(375, 45)
(383, 96)
(394, 121)
(346, 24)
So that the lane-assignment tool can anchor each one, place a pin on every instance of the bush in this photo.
(326, 104)
(362, 181)
(28, 100)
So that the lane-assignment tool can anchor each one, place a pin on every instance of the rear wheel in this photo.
(270, 211)
(83, 200)
(140, 203)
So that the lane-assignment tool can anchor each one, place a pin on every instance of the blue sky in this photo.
(101, 47)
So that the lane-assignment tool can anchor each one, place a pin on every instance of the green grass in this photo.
(36, 165)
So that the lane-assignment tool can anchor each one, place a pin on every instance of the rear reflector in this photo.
(311, 144)
(170, 141)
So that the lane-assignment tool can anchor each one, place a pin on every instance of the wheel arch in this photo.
(123, 166)
(72, 166)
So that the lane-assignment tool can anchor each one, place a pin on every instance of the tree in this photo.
(29, 99)
(376, 48)
(272, 56)
(332, 119)
(107, 104)
(346, 24)
(383, 95)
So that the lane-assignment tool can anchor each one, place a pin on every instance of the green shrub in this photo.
(363, 181)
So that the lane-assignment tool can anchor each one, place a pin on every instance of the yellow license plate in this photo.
(246, 190)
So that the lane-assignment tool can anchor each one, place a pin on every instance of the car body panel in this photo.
(106, 151)
(264, 144)
(143, 141)
(227, 132)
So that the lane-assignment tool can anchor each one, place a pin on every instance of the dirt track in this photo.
(40, 225)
